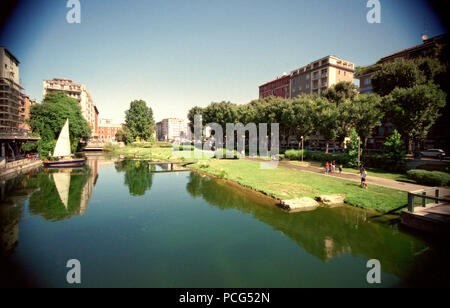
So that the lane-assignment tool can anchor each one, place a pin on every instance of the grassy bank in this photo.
(284, 183)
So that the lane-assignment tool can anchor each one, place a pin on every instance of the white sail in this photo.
(62, 147)
(62, 183)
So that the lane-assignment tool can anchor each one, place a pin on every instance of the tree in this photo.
(48, 118)
(139, 120)
(405, 74)
(352, 149)
(414, 110)
(192, 113)
(394, 146)
(326, 119)
(366, 115)
(124, 135)
(340, 92)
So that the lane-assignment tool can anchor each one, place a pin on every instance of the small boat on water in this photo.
(63, 153)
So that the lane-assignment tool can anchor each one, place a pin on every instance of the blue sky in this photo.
(176, 54)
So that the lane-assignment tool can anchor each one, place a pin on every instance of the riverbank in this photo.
(284, 184)
(15, 168)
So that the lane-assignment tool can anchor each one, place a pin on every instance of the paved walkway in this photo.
(371, 180)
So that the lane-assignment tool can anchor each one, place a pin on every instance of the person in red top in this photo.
(327, 167)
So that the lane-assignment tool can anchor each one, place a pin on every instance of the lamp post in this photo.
(359, 152)
(302, 149)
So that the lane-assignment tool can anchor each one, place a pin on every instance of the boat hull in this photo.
(65, 163)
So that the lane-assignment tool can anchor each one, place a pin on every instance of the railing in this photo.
(422, 194)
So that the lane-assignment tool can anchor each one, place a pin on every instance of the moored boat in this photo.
(63, 153)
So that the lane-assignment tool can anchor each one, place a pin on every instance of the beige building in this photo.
(77, 91)
(172, 129)
(320, 75)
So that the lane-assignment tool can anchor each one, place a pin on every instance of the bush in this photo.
(317, 156)
(431, 178)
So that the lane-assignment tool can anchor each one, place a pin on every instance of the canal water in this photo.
(134, 226)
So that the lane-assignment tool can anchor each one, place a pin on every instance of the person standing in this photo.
(363, 178)
(340, 168)
(327, 166)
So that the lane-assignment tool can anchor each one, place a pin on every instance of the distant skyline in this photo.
(182, 53)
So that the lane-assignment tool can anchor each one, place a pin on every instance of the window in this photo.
(367, 81)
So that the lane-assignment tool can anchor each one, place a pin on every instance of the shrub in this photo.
(317, 156)
(384, 163)
(431, 178)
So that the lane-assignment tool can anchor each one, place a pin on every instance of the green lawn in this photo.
(284, 183)
(159, 153)
(370, 171)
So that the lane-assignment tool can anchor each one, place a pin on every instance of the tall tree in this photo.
(366, 115)
(139, 120)
(414, 110)
(326, 120)
(48, 118)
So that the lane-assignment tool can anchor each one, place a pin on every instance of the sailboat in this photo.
(62, 151)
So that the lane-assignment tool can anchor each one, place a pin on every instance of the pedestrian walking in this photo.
(363, 178)
(327, 166)
(333, 166)
(340, 168)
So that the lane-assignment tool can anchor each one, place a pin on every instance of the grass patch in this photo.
(285, 183)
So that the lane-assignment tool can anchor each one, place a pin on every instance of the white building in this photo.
(172, 129)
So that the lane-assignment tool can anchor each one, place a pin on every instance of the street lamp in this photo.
(359, 152)
(302, 149)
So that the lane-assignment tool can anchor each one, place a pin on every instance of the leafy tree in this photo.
(394, 146)
(352, 149)
(366, 115)
(192, 113)
(340, 92)
(326, 119)
(405, 74)
(48, 118)
(139, 120)
(124, 135)
(414, 110)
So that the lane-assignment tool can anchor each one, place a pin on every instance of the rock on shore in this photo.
(331, 199)
(299, 204)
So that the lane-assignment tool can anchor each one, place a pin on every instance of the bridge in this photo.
(432, 217)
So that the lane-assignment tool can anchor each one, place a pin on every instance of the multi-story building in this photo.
(77, 91)
(107, 130)
(172, 129)
(10, 96)
(320, 75)
(14, 109)
(280, 87)
(24, 111)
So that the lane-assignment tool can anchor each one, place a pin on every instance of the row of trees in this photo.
(333, 115)
(408, 95)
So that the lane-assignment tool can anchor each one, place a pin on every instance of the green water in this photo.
(129, 226)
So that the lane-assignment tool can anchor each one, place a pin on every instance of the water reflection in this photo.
(138, 176)
(324, 233)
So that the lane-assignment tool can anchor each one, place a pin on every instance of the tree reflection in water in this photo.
(326, 232)
(138, 175)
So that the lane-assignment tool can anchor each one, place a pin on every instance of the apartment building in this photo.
(280, 87)
(77, 91)
(10, 93)
(172, 129)
(320, 75)
(107, 130)
(24, 111)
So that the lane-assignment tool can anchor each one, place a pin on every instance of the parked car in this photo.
(435, 153)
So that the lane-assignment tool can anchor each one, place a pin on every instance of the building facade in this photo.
(24, 112)
(320, 75)
(172, 129)
(279, 87)
(77, 91)
(107, 130)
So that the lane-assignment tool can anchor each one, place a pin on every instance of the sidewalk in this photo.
(371, 180)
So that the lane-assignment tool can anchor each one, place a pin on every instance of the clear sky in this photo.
(176, 54)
